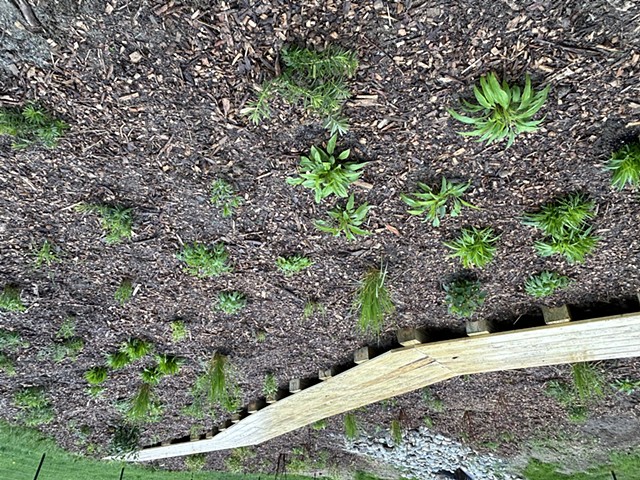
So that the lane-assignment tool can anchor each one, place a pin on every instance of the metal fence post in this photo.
(40, 466)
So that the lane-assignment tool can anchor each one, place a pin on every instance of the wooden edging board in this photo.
(405, 369)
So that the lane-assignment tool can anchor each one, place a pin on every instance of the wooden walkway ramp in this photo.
(405, 369)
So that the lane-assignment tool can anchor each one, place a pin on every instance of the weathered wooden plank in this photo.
(411, 336)
(405, 369)
(479, 327)
(556, 314)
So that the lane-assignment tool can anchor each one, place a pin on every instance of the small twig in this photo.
(33, 24)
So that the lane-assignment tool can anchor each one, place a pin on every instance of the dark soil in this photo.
(153, 92)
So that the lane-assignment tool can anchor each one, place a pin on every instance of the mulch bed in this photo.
(153, 93)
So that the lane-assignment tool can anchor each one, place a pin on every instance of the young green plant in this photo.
(463, 296)
(224, 196)
(203, 261)
(345, 220)
(624, 166)
(501, 111)
(31, 125)
(474, 247)
(293, 264)
(545, 283)
(373, 301)
(10, 299)
(46, 255)
(124, 292)
(435, 204)
(230, 302)
(116, 221)
(325, 173)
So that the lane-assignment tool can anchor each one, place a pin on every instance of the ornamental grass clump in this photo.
(217, 386)
(316, 79)
(501, 111)
(435, 204)
(566, 228)
(203, 261)
(464, 296)
(345, 220)
(373, 301)
(545, 283)
(474, 247)
(326, 174)
(624, 166)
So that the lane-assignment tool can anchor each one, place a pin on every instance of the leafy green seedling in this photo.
(11, 341)
(346, 220)
(373, 301)
(31, 125)
(178, 331)
(624, 166)
(124, 292)
(435, 204)
(116, 221)
(34, 406)
(224, 196)
(396, 432)
(464, 296)
(231, 302)
(293, 264)
(475, 247)
(270, 386)
(10, 299)
(46, 255)
(501, 111)
(626, 386)
(203, 261)
(312, 308)
(326, 174)
(151, 375)
(96, 375)
(545, 283)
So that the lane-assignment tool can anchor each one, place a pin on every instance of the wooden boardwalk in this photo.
(409, 368)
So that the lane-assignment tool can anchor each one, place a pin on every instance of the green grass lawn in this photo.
(21, 449)
(625, 465)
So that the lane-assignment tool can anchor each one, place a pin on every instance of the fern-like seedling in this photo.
(545, 283)
(31, 125)
(326, 174)
(501, 111)
(116, 221)
(474, 247)
(203, 261)
(464, 296)
(345, 220)
(434, 204)
(624, 166)
(224, 196)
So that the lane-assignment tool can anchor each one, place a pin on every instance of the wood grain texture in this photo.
(405, 369)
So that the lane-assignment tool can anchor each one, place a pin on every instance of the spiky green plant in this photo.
(10, 299)
(565, 224)
(124, 292)
(345, 220)
(151, 375)
(317, 79)
(168, 364)
(46, 255)
(293, 264)
(474, 247)
(396, 432)
(545, 283)
(270, 386)
(96, 375)
(11, 341)
(319, 424)
(69, 348)
(31, 125)
(179, 331)
(351, 430)
(67, 328)
(624, 166)
(196, 462)
(115, 220)
(224, 196)
(325, 173)
(118, 360)
(6, 365)
(217, 386)
(136, 348)
(312, 307)
(626, 386)
(230, 302)
(501, 111)
(373, 301)
(587, 381)
(435, 204)
(203, 261)
(463, 296)
(144, 406)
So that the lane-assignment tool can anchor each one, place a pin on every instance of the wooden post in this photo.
(411, 336)
(194, 437)
(298, 384)
(226, 424)
(556, 314)
(363, 354)
(479, 327)
(254, 406)
(236, 417)
(327, 374)
(211, 433)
